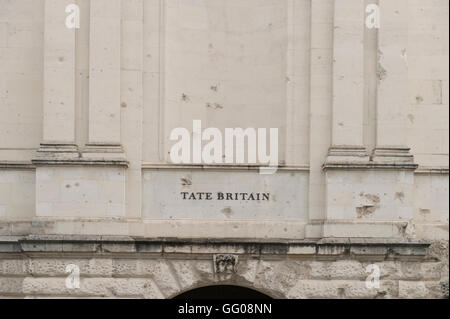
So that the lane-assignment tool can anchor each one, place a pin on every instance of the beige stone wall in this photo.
(21, 85)
(111, 92)
(428, 82)
(17, 194)
(86, 114)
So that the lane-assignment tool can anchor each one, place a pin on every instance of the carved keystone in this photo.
(225, 263)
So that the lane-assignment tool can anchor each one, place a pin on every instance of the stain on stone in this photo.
(61, 59)
(406, 229)
(381, 72)
(404, 56)
(214, 88)
(186, 181)
(419, 99)
(411, 118)
(400, 196)
(368, 210)
(374, 198)
(67, 186)
(227, 212)
(365, 211)
(402, 228)
(214, 106)
(424, 211)
(123, 104)
(185, 98)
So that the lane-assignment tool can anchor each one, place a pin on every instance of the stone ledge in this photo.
(369, 165)
(17, 165)
(432, 170)
(80, 161)
(223, 167)
(334, 247)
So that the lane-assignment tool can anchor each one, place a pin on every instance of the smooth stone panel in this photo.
(163, 198)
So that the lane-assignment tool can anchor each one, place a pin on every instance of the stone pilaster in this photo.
(392, 90)
(104, 138)
(59, 84)
(368, 197)
(348, 83)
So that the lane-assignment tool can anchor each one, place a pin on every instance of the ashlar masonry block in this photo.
(68, 191)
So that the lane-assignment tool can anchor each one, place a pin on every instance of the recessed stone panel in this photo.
(224, 195)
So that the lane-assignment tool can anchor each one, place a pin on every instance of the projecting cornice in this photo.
(384, 248)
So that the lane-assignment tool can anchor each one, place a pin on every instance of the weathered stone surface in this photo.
(185, 273)
(137, 288)
(412, 289)
(156, 277)
(162, 274)
(332, 289)
(16, 267)
(11, 286)
(346, 269)
(87, 177)
(278, 276)
(124, 267)
(100, 267)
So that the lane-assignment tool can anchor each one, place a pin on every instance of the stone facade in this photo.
(118, 267)
(86, 176)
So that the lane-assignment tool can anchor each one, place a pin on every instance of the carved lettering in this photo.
(225, 196)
